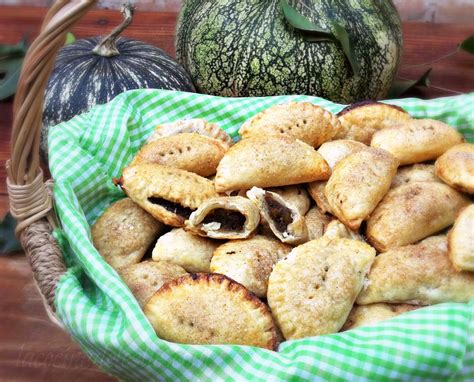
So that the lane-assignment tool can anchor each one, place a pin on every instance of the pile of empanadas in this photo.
(312, 223)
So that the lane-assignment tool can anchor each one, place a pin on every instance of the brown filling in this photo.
(230, 220)
(280, 214)
(175, 208)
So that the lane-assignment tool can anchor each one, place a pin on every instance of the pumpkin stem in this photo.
(107, 47)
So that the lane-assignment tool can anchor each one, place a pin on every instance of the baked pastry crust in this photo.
(461, 240)
(269, 161)
(300, 120)
(418, 172)
(169, 194)
(210, 309)
(316, 191)
(189, 251)
(226, 217)
(335, 151)
(124, 232)
(316, 222)
(456, 167)
(358, 183)
(312, 290)
(249, 261)
(294, 195)
(335, 229)
(411, 212)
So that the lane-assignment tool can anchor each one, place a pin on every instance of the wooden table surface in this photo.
(34, 349)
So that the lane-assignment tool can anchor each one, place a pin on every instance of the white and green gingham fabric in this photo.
(430, 344)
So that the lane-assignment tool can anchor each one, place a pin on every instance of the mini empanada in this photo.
(461, 240)
(169, 194)
(316, 222)
(269, 161)
(415, 173)
(334, 151)
(312, 290)
(227, 217)
(284, 219)
(361, 120)
(335, 229)
(358, 183)
(191, 252)
(316, 190)
(249, 261)
(417, 140)
(191, 152)
(420, 274)
(412, 212)
(124, 232)
(295, 195)
(208, 308)
(456, 167)
(145, 278)
(301, 120)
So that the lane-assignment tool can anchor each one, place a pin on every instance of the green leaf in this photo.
(70, 38)
(8, 240)
(300, 22)
(400, 87)
(343, 37)
(468, 45)
(13, 51)
(11, 73)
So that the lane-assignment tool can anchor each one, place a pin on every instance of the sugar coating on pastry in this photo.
(456, 167)
(316, 222)
(189, 151)
(417, 140)
(226, 217)
(169, 194)
(124, 232)
(334, 151)
(145, 278)
(185, 249)
(336, 229)
(312, 290)
(419, 274)
(249, 261)
(300, 120)
(361, 120)
(418, 172)
(269, 161)
(358, 183)
(461, 240)
(412, 212)
(316, 191)
(210, 309)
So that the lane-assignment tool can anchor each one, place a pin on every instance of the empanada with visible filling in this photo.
(316, 222)
(189, 251)
(335, 229)
(412, 212)
(461, 240)
(358, 183)
(284, 219)
(300, 120)
(269, 161)
(169, 194)
(417, 140)
(456, 167)
(312, 290)
(191, 152)
(419, 172)
(316, 191)
(124, 232)
(145, 278)
(295, 195)
(208, 308)
(335, 151)
(361, 120)
(419, 274)
(227, 217)
(249, 261)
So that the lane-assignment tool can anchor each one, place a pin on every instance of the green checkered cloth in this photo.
(430, 344)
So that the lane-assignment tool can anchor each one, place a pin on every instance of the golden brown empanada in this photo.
(361, 120)
(358, 183)
(145, 278)
(208, 308)
(249, 261)
(191, 252)
(124, 232)
(169, 194)
(284, 219)
(415, 173)
(456, 167)
(417, 140)
(295, 195)
(412, 212)
(300, 120)
(334, 151)
(316, 222)
(316, 190)
(419, 274)
(191, 152)
(461, 240)
(269, 161)
(335, 229)
(312, 290)
(227, 217)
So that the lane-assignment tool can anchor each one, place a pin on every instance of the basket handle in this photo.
(30, 198)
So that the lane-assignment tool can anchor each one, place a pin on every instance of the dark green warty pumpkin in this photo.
(248, 48)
